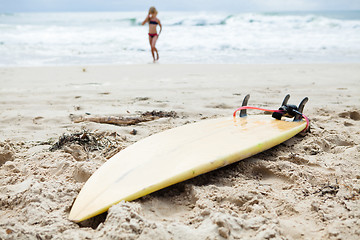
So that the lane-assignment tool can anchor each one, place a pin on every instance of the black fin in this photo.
(278, 115)
(244, 103)
(286, 99)
(300, 109)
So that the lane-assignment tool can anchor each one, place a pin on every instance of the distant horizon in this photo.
(215, 11)
(20, 6)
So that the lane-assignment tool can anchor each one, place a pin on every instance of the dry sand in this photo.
(305, 188)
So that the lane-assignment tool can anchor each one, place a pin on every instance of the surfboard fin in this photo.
(289, 110)
(298, 117)
(286, 99)
(244, 103)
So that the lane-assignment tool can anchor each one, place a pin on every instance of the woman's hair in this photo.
(152, 10)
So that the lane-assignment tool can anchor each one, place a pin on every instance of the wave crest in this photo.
(264, 20)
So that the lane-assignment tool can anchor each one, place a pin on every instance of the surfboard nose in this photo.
(74, 216)
(78, 214)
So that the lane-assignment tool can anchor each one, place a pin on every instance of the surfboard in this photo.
(178, 154)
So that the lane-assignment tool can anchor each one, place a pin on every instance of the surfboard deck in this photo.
(176, 155)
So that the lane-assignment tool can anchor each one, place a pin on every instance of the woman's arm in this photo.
(146, 20)
(160, 26)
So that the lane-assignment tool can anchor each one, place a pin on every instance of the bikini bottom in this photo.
(153, 35)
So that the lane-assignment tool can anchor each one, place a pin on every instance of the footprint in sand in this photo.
(7, 153)
(267, 176)
(81, 173)
(354, 115)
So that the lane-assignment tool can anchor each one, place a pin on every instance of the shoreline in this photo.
(189, 63)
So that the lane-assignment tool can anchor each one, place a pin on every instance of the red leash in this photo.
(270, 110)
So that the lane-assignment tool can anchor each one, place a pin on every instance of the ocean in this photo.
(86, 38)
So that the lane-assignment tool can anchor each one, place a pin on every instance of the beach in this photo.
(305, 188)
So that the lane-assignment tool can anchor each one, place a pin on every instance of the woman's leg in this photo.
(152, 51)
(153, 48)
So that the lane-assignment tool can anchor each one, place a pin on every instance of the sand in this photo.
(306, 188)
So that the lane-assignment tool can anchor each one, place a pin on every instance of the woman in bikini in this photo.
(153, 36)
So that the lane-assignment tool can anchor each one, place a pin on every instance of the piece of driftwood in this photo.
(124, 121)
(117, 120)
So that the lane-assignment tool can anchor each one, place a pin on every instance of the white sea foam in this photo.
(187, 37)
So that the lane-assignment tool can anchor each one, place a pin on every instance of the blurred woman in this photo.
(153, 35)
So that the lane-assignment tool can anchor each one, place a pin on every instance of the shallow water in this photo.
(37, 39)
